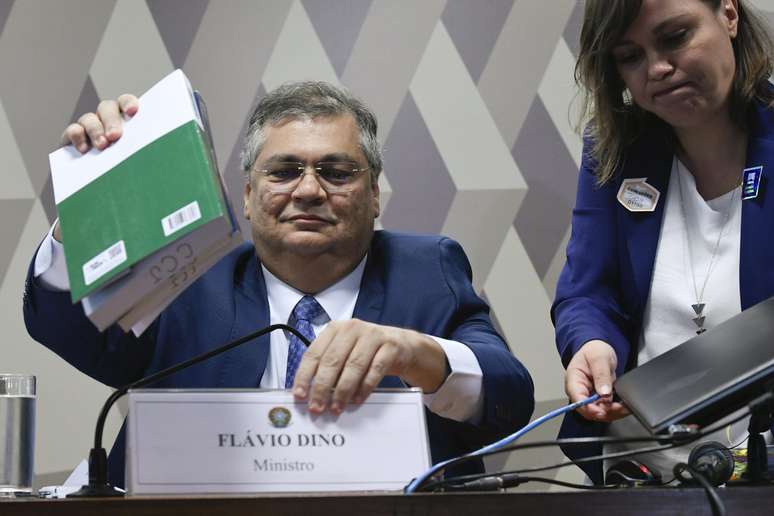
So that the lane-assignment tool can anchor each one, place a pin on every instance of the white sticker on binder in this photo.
(181, 218)
(104, 262)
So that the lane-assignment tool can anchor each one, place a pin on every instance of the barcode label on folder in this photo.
(181, 218)
(104, 262)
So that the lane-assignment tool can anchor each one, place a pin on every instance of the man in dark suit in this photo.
(386, 309)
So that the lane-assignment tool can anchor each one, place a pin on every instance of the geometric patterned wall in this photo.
(473, 99)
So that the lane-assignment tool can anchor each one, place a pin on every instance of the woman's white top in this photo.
(667, 319)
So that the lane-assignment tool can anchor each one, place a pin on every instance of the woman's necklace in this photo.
(699, 306)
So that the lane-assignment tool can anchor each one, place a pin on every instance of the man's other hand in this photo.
(102, 128)
(99, 129)
(349, 359)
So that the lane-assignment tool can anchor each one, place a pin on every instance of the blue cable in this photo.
(411, 488)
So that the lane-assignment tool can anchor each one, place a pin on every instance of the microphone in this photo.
(98, 485)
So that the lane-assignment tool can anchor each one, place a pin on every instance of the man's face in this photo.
(308, 220)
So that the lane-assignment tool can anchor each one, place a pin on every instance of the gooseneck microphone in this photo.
(98, 485)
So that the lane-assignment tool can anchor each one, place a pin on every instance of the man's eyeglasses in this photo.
(333, 176)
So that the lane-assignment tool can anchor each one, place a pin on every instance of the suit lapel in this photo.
(756, 275)
(245, 364)
(641, 230)
(370, 300)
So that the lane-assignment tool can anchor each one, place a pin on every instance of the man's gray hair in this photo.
(309, 100)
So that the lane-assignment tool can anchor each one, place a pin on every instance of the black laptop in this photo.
(706, 377)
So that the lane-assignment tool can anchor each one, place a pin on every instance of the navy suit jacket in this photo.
(410, 281)
(604, 286)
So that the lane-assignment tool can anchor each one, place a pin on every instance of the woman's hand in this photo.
(591, 370)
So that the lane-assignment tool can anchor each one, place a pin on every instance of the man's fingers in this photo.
(383, 360)
(103, 127)
(345, 364)
(353, 373)
(94, 130)
(129, 104)
(110, 115)
(330, 365)
(75, 134)
(370, 360)
(309, 364)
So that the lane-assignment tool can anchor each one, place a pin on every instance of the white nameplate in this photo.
(243, 441)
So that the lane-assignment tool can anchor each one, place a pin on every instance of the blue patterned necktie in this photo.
(305, 311)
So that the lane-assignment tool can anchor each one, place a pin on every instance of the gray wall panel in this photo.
(473, 98)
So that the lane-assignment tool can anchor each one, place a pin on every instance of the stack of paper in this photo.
(142, 219)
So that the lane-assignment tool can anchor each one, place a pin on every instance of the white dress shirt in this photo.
(460, 398)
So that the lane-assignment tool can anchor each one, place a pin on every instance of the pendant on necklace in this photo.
(698, 308)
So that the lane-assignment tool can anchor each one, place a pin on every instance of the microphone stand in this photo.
(98, 485)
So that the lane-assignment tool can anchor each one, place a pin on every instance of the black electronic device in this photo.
(630, 472)
(707, 377)
(713, 460)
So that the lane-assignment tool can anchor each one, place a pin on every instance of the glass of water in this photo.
(17, 433)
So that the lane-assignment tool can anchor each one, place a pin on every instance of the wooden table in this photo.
(739, 500)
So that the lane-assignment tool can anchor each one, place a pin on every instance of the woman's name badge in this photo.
(637, 195)
(751, 182)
